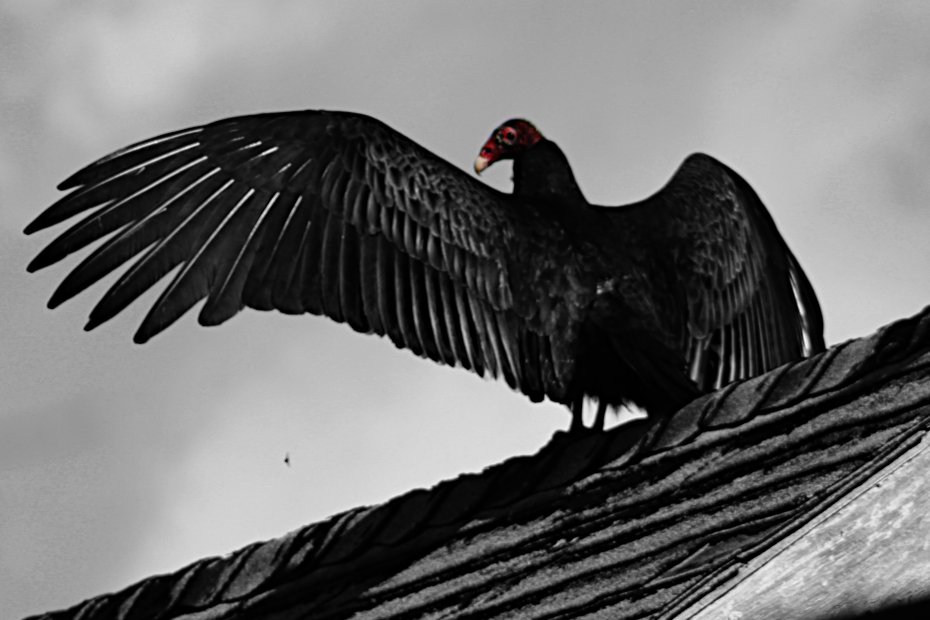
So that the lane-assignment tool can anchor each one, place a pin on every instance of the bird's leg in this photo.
(601, 414)
(577, 417)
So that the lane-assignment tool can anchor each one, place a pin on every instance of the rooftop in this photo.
(734, 502)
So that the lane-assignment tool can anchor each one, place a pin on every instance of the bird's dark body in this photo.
(337, 214)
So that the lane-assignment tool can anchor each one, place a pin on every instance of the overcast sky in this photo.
(120, 461)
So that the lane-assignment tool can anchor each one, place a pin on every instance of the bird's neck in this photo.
(543, 171)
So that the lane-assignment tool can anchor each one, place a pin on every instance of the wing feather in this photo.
(456, 336)
(486, 353)
(226, 301)
(550, 379)
(498, 363)
(510, 349)
(438, 315)
(532, 376)
(304, 289)
(387, 293)
(270, 239)
(419, 310)
(368, 286)
(287, 258)
(330, 253)
(350, 280)
(403, 308)
(468, 328)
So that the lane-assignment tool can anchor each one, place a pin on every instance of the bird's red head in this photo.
(507, 141)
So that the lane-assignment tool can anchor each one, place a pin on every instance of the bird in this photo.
(335, 213)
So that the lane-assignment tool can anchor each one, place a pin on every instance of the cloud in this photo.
(119, 60)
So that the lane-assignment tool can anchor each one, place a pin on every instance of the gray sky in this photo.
(119, 461)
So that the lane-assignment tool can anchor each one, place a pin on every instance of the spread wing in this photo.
(323, 212)
(750, 307)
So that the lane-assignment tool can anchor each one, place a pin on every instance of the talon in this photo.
(577, 425)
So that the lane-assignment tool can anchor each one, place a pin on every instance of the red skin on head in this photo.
(507, 141)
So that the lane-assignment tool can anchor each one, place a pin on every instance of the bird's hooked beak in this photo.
(489, 154)
(481, 163)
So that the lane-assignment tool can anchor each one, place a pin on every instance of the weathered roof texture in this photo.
(645, 520)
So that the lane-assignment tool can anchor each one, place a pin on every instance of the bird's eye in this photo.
(510, 136)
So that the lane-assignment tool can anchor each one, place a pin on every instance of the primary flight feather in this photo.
(336, 214)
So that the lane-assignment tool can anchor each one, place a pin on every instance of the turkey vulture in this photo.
(337, 214)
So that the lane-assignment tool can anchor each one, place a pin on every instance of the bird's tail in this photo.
(650, 375)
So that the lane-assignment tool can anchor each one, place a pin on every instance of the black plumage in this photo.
(337, 214)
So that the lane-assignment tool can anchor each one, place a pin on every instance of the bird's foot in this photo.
(578, 427)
